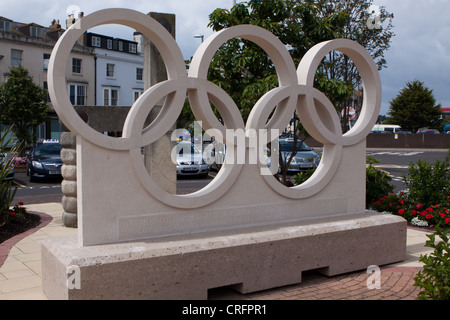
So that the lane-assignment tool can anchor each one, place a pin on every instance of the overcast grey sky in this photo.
(419, 51)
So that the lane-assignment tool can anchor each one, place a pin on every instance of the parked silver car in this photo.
(305, 157)
(190, 161)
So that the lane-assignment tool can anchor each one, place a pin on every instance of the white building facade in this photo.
(101, 70)
(30, 45)
(119, 70)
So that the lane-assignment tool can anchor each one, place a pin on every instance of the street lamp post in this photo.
(199, 36)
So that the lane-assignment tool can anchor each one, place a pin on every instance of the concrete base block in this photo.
(250, 260)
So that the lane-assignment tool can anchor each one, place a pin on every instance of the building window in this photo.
(110, 97)
(137, 94)
(110, 70)
(96, 41)
(120, 46)
(5, 26)
(132, 47)
(16, 57)
(36, 32)
(76, 65)
(139, 74)
(78, 94)
(109, 44)
(46, 60)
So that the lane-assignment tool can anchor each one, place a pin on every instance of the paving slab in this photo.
(20, 271)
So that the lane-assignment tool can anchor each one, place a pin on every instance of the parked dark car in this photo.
(428, 131)
(45, 160)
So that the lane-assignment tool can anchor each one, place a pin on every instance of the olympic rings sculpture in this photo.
(295, 93)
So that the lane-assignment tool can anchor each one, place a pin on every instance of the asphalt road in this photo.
(36, 192)
(394, 162)
(50, 190)
(398, 162)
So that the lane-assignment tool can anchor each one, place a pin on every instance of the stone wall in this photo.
(400, 141)
(105, 118)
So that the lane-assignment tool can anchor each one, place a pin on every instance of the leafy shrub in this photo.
(377, 183)
(17, 213)
(428, 184)
(434, 279)
(427, 201)
(7, 192)
(302, 176)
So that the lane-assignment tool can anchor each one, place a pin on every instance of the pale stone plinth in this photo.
(251, 260)
(137, 239)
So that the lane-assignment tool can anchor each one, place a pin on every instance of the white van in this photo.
(386, 128)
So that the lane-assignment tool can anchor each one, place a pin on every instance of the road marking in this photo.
(398, 179)
(390, 166)
(22, 187)
(401, 154)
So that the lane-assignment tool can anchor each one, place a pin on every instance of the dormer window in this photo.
(96, 42)
(36, 32)
(5, 26)
(132, 47)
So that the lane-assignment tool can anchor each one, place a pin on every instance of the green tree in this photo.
(415, 107)
(22, 104)
(375, 39)
(245, 71)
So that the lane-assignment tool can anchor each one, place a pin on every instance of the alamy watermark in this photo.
(250, 146)
(374, 280)
(374, 21)
(73, 277)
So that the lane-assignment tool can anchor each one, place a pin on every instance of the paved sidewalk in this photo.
(20, 270)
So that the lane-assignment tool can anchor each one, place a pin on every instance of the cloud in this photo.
(419, 50)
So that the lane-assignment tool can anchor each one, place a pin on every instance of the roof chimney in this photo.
(55, 24)
(71, 20)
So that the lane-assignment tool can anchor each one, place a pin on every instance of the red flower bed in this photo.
(434, 215)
